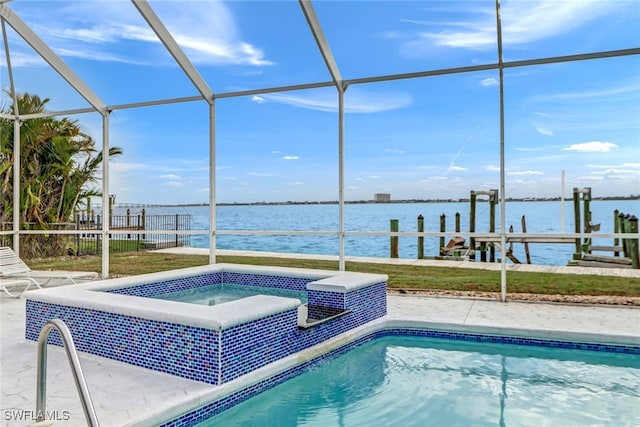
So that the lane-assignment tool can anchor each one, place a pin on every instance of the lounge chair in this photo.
(8, 285)
(13, 268)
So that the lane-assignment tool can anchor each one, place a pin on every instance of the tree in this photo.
(58, 165)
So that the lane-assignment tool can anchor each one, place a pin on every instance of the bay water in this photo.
(541, 217)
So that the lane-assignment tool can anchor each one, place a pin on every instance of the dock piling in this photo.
(633, 243)
(393, 227)
(443, 228)
(420, 238)
(616, 229)
(472, 225)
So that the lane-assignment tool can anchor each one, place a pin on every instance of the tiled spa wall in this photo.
(202, 354)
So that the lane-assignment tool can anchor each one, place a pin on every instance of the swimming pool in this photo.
(222, 293)
(479, 375)
(417, 381)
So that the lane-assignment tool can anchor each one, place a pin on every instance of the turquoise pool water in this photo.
(415, 381)
(219, 294)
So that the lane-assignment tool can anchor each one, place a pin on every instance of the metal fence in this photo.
(126, 233)
(121, 238)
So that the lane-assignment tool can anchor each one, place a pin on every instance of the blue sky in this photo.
(434, 137)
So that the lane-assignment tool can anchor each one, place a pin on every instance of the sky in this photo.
(423, 138)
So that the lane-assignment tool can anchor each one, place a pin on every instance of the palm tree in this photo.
(58, 164)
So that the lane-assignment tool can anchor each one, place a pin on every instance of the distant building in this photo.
(382, 197)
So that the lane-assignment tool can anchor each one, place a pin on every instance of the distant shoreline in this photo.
(360, 202)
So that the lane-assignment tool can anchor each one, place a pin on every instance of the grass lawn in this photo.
(400, 276)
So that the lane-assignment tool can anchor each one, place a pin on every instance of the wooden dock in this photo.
(527, 239)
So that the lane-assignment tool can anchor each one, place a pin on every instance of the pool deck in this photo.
(127, 395)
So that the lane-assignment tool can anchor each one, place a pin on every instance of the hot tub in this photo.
(121, 319)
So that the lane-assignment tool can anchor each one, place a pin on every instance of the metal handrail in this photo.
(76, 369)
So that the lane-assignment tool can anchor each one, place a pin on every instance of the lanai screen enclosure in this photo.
(536, 87)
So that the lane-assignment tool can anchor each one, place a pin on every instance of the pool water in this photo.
(221, 293)
(415, 381)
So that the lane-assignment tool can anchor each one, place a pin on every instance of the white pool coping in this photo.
(126, 395)
(345, 282)
(218, 317)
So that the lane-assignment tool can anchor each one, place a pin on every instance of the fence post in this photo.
(77, 239)
(128, 222)
(394, 239)
(176, 230)
(98, 227)
(138, 235)
(420, 238)
(144, 224)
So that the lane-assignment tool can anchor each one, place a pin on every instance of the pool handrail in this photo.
(76, 369)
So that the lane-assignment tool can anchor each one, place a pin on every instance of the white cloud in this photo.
(434, 178)
(170, 176)
(120, 167)
(630, 88)
(492, 168)
(544, 131)
(591, 147)
(257, 99)
(174, 184)
(291, 158)
(103, 31)
(97, 55)
(489, 82)
(23, 59)
(521, 182)
(356, 100)
(623, 165)
(457, 168)
(394, 151)
(522, 23)
(275, 152)
(617, 172)
(263, 174)
(525, 173)
(297, 183)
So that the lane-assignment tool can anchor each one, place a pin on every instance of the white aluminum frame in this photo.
(206, 93)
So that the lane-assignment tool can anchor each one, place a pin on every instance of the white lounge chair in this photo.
(23, 285)
(12, 269)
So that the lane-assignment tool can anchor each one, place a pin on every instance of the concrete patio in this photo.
(127, 395)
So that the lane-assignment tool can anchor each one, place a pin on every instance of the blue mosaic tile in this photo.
(267, 281)
(181, 350)
(250, 346)
(327, 299)
(172, 285)
(201, 354)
